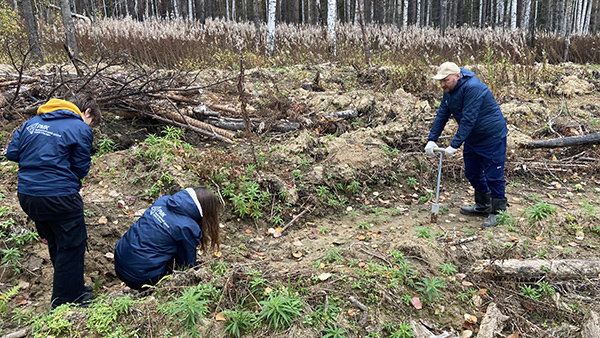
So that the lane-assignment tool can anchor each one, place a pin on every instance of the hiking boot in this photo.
(85, 299)
(482, 205)
(497, 206)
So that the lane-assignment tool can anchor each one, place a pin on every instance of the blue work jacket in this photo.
(53, 150)
(472, 104)
(168, 229)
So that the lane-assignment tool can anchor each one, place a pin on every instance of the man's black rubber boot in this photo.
(482, 206)
(497, 206)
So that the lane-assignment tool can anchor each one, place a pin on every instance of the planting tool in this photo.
(435, 207)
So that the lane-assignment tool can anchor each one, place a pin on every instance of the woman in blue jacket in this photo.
(53, 151)
(482, 129)
(167, 236)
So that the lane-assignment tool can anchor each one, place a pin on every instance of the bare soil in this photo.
(382, 150)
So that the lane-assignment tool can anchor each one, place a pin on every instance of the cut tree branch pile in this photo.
(135, 92)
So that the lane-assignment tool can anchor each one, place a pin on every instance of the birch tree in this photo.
(418, 19)
(526, 14)
(513, 14)
(65, 13)
(331, 23)
(270, 42)
(32, 32)
(481, 5)
(405, 14)
(500, 12)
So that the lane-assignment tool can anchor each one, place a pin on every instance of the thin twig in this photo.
(295, 218)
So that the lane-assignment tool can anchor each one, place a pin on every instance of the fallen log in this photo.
(591, 325)
(420, 331)
(492, 323)
(192, 121)
(190, 127)
(239, 124)
(536, 268)
(563, 142)
(346, 114)
(17, 334)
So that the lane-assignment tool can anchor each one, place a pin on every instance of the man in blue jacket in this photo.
(482, 129)
(53, 151)
(167, 236)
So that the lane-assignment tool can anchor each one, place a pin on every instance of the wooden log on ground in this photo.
(346, 114)
(492, 323)
(192, 121)
(421, 331)
(17, 334)
(564, 141)
(190, 127)
(591, 325)
(536, 268)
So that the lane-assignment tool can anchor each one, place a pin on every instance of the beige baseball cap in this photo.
(446, 69)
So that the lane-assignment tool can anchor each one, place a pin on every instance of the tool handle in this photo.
(441, 150)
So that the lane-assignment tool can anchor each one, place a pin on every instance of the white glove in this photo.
(450, 151)
(430, 147)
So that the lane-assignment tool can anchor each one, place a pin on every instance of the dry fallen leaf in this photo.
(351, 313)
(102, 220)
(466, 283)
(514, 335)
(220, 317)
(477, 301)
(248, 231)
(361, 238)
(467, 334)
(23, 284)
(416, 302)
(470, 318)
(268, 290)
(539, 238)
(324, 276)
(362, 264)
(218, 254)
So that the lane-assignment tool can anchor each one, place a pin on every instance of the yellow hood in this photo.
(57, 104)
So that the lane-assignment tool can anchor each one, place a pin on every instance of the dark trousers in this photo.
(66, 244)
(484, 167)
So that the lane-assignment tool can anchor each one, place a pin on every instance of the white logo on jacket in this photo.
(159, 215)
(38, 128)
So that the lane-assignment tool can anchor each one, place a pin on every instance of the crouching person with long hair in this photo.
(167, 237)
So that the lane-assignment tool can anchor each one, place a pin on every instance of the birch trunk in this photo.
(331, 23)
(480, 13)
(65, 13)
(233, 10)
(405, 14)
(418, 20)
(500, 13)
(526, 15)
(32, 31)
(363, 29)
(428, 13)
(513, 15)
(272, 9)
(586, 25)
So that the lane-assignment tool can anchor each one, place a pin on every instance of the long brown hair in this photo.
(210, 219)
